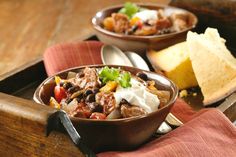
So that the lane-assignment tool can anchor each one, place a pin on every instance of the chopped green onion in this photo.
(124, 79)
(113, 74)
(109, 74)
(129, 9)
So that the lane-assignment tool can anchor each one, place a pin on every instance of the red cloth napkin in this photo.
(68, 55)
(209, 134)
(182, 111)
(206, 133)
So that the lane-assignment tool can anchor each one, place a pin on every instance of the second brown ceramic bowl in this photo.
(116, 134)
(141, 43)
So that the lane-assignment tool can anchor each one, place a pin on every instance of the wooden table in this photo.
(28, 27)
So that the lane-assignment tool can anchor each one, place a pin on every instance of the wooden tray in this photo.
(23, 130)
(24, 124)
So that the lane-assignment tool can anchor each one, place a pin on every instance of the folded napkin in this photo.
(68, 55)
(206, 133)
(209, 134)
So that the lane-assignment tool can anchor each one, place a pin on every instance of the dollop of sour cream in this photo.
(137, 95)
(147, 15)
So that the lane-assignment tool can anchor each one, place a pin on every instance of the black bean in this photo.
(80, 96)
(142, 75)
(68, 100)
(87, 92)
(95, 107)
(101, 82)
(77, 94)
(147, 23)
(61, 84)
(79, 99)
(134, 28)
(67, 85)
(90, 98)
(123, 101)
(98, 108)
(73, 89)
(95, 90)
(193, 90)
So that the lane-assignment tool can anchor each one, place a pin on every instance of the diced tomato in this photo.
(97, 115)
(139, 24)
(86, 111)
(59, 93)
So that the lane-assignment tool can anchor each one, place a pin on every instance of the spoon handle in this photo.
(137, 60)
(173, 121)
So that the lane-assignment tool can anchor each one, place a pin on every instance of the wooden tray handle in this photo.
(25, 115)
(23, 126)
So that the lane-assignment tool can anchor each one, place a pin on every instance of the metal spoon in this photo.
(137, 60)
(114, 56)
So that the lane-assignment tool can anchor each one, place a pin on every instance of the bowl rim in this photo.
(136, 37)
(38, 100)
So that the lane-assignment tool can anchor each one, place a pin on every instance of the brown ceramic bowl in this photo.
(116, 134)
(141, 43)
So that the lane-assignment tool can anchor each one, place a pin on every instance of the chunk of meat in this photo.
(121, 22)
(97, 115)
(146, 30)
(108, 23)
(81, 111)
(95, 107)
(107, 100)
(89, 79)
(131, 111)
(179, 20)
(163, 96)
(163, 24)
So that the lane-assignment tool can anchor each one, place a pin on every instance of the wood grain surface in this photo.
(28, 27)
(23, 129)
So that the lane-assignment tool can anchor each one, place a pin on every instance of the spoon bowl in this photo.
(113, 55)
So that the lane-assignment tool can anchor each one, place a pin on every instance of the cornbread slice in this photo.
(175, 63)
(213, 65)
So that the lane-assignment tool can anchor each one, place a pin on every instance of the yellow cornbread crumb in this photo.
(183, 93)
(194, 94)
